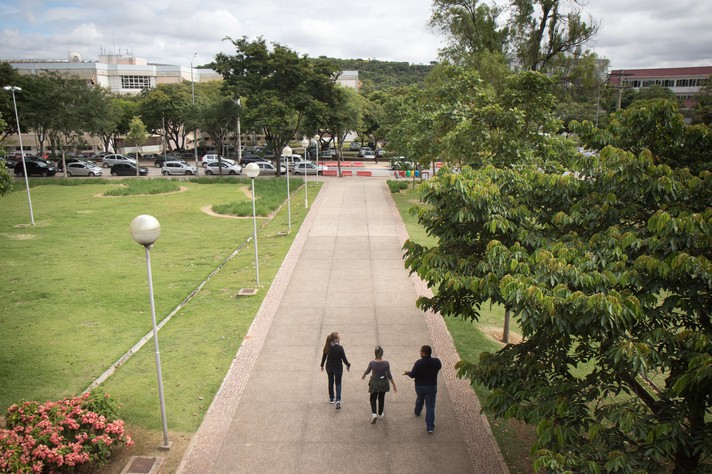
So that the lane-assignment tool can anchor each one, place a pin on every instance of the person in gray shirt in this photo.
(379, 384)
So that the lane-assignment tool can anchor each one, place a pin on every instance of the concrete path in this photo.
(343, 273)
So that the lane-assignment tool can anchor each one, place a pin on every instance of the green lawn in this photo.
(74, 293)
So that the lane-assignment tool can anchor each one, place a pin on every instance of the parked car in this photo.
(355, 146)
(250, 158)
(214, 167)
(114, 159)
(71, 159)
(380, 152)
(213, 157)
(82, 168)
(177, 168)
(309, 168)
(268, 168)
(160, 159)
(369, 155)
(325, 154)
(127, 169)
(364, 149)
(35, 167)
(291, 160)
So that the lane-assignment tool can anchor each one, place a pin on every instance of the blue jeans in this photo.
(334, 379)
(426, 394)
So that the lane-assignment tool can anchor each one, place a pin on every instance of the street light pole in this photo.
(287, 151)
(305, 144)
(252, 171)
(315, 138)
(12, 89)
(195, 130)
(239, 134)
(145, 230)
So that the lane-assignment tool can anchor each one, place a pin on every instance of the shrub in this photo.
(59, 436)
(398, 186)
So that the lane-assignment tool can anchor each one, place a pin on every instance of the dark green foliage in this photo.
(376, 75)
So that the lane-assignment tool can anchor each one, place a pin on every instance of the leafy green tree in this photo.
(657, 126)
(471, 28)
(217, 115)
(281, 88)
(5, 177)
(703, 108)
(138, 135)
(167, 108)
(607, 270)
(10, 77)
(543, 30)
(344, 116)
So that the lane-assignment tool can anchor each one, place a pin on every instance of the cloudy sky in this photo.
(634, 33)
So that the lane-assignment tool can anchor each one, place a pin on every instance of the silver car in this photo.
(309, 168)
(177, 167)
(111, 160)
(213, 167)
(268, 168)
(82, 168)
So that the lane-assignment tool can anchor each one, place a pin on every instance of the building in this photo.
(122, 74)
(684, 82)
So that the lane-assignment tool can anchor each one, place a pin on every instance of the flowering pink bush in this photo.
(55, 437)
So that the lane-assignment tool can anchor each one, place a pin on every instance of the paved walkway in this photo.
(343, 273)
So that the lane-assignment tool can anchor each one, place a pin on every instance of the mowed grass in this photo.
(74, 292)
(472, 338)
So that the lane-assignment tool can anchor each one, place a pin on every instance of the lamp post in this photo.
(287, 151)
(145, 230)
(315, 139)
(195, 130)
(305, 144)
(12, 89)
(239, 134)
(252, 171)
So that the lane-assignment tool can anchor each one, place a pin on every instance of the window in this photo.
(135, 82)
(668, 83)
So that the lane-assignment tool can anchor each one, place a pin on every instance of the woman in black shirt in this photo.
(334, 357)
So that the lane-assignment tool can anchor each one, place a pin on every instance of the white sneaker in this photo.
(380, 417)
(373, 418)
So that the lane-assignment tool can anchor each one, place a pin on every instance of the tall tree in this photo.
(471, 28)
(137, 136)
(167, 108)
(544, 29)
(608, 269)
(280, 87)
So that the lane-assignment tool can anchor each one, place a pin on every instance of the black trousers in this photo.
(381, 396)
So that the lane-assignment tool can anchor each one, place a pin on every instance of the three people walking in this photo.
(379, 383)
(334, 357)
(424, 371)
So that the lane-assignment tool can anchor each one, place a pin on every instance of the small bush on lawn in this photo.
(398, 186)
(59, 436)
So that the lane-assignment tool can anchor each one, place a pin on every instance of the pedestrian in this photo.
(334, 357)
(425, 372)
(379, 384)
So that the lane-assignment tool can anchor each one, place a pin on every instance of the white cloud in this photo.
(634, 33)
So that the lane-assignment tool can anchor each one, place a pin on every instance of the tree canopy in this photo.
(605, 262)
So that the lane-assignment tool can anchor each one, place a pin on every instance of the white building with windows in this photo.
(122, 74)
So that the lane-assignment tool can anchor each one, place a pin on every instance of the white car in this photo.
(111, 160)
(268, 168)
(81, 168)
(309, 168)
(291, 160)
(213, 167)
(369, 154)
(177, 167)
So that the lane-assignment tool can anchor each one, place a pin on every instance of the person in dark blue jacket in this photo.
(425, 372)
(334, 357)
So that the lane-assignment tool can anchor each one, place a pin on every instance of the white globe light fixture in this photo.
(287, 152)
(252, 171)
(146, 230)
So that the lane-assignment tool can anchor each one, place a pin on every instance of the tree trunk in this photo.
(505, 330)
